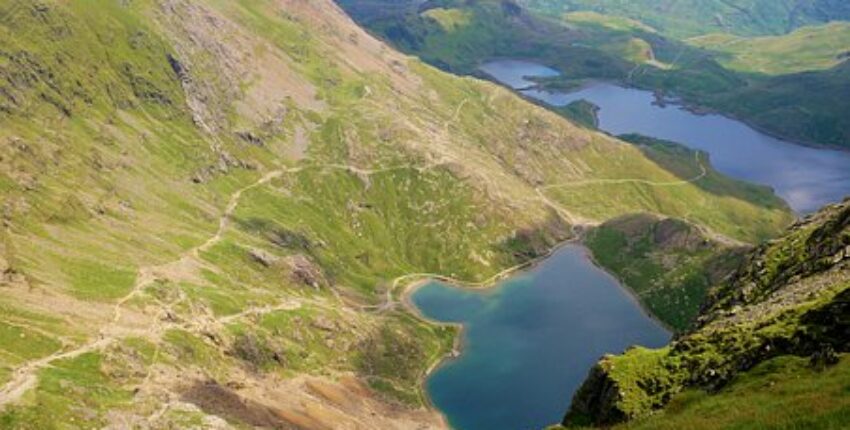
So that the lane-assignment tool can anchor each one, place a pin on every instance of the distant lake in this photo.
(529, 342)
(807, 178)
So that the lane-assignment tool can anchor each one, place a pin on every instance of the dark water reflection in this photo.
(807, 178)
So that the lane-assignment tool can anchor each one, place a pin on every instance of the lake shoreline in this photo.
(458, 343)
(806, 176)
(631, 293)
(460, 340)
(691, 106)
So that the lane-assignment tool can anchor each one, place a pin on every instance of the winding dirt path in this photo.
(703, 173)
(25, 377)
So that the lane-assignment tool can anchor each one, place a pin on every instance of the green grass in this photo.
(225, 298)
(145, 349)
(396, 357)
(74, 392)
(611, 22)
(400, 221)
(18, 344)
(110, 170)
(731, 202)
(449, 19)
(581, 112)
(752, 317)
(695, 17)
(307, 345)
(671, 281)
(783, 393)
(95, 281)
(806, 49)
(5, 374)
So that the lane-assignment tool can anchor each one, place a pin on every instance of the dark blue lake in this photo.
(807, 178)
(529, 342)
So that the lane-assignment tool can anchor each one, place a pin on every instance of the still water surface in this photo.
(529, 342)
(807, 178)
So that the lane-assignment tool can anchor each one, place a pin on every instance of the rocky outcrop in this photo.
(305, 272)
(791, 296)
(597, 400)
(812, 246)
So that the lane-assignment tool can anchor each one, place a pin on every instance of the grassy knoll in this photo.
(449, 19)
(673, 192)
(785, 392)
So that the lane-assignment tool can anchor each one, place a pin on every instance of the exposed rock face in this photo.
(305, 272)
(262, 257)
(596, 400)
(256, 351)
(813, 246)
(215, 398)
(532, 243)
(673, 233)
(790, 297)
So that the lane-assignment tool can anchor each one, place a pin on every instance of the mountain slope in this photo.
(788, 299)
(207, 206)
(668, 263)
(696, 17)
(797, 96)
(807, 49)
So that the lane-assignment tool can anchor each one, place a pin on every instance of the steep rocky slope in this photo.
(207, 206)
(789, 298)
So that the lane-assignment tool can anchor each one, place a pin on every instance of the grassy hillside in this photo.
(790, 85)
(457, 36)
(669, 264)
(581, 112)
(206, 206)
(807, 49)
(785, 392)
(696, 17)
(796, 94)
(789, 299)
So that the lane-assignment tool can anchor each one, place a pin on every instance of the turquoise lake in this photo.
(529, 342)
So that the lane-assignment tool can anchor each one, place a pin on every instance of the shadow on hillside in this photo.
(681, 161)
